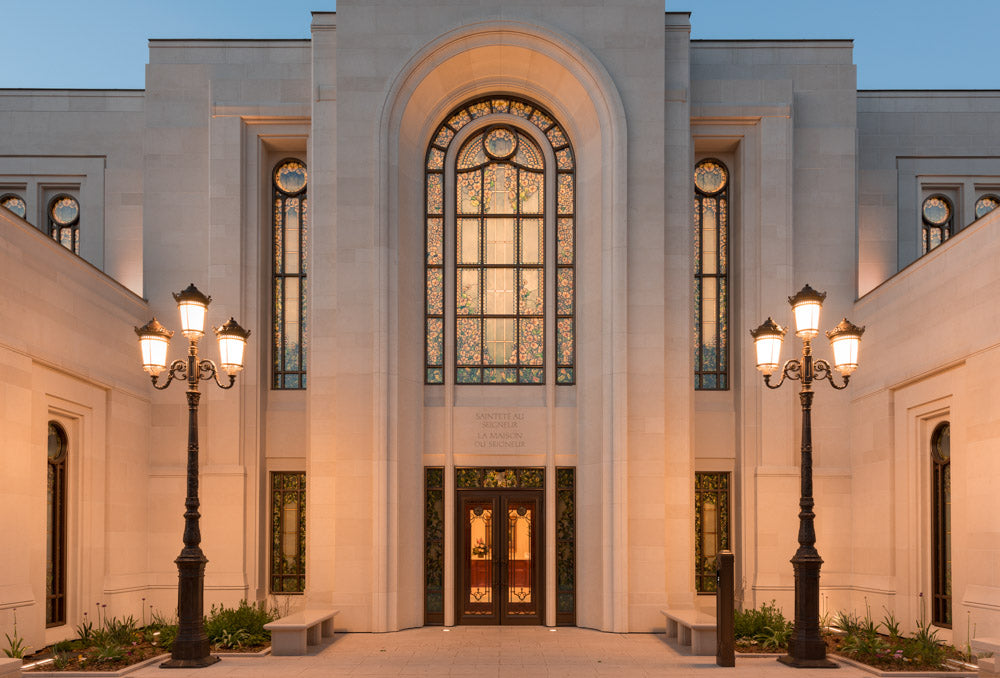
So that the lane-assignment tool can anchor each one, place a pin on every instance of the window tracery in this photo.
(289, 338)
(711, 275)
(500, 224)
(64, 222)
(937, 215)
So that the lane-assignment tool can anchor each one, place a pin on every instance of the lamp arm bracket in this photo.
(178, 370)
(792, 369)
(824, 371)
(208, 371)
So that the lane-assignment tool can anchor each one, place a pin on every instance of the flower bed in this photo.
(114, 644)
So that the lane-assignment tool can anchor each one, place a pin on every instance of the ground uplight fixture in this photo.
(806, 647)
(192, 648)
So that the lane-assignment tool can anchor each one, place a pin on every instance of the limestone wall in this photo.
(68, 354)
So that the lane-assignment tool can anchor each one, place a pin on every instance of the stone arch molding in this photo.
(555, 70)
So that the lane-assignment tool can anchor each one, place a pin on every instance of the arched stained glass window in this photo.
(937, 216)
(15, 204)
(986, 204)
(498, 215)
(289, 338)
(941, 525)
(55, 550)
(64, 222)
(711, 276)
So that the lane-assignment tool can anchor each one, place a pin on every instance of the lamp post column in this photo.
(191, 647)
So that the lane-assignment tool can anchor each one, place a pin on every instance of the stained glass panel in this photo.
(499, 254)
(14, 204)
(566, 546)
(565, 292)
(984, 205)
(711, 523)
(288, 532)
(711, 244)
(434, 534)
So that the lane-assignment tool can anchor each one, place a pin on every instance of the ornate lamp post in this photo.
(191, 648)
(806, 649)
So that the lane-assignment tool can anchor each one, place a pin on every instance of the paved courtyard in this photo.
(495, 651)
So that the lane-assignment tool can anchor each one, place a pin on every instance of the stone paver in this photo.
(494, 652)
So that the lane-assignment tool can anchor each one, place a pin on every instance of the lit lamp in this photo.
(191, 648)
(232, 342)
(767, 340)
(806, 647)
(845, 340)
(193, 306)
(806, 306)
(154, 339)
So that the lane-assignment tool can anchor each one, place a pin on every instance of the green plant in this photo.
(16, 647)
(891, 624)
(847, 622)
(234, 640)
(116, 631)
(749, 624)
(248, 617)
(109, 652)
(863, 645)
(60, 661)
(775, 637)
(923, 647)
(85, 629)
(62, 647)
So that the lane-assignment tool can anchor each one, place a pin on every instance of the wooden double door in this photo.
(500, 563)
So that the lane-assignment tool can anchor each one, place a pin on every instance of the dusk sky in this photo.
(899, 44)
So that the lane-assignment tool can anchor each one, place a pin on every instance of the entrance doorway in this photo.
(500, 557)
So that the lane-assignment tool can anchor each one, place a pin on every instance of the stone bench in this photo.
(988, 665)
(693, 628)
(10, 668)
(291, 634)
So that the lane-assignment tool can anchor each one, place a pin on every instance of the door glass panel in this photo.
(480, 596)
(519, 556)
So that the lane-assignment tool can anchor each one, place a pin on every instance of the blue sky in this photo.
(899, 44)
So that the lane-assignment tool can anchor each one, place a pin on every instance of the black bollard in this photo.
(725, 592)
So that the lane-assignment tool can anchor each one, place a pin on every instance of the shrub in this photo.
(749, 624)
(247, 617)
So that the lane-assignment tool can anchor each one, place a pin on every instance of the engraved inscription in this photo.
(513, 430)
(499, 429)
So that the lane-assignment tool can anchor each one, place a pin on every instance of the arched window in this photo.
(501, 224)
(64, 222)
(289, 241)
(937, 217)
(986, 204)
(711, 276)
(55, 550)
(941, 525)
(14, 203)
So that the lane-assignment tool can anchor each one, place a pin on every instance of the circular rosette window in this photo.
(500, 143)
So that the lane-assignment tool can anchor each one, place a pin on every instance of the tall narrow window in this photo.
(937, 218)
(566, 546)
(711, 276)
(288, 532)
(501, 225)
(64, 222)
(711, 526)
(434, 545)
(55, 551)
(941, 525)
(14, 203)
(290, 230)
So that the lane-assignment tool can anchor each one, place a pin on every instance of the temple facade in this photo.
(499, 262)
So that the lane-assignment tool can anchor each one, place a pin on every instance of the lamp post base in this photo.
(199, 663)
(794, 662)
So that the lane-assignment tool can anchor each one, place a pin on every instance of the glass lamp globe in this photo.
(232, 344)
(767, 340)
(193, 305)
(845, 340)
(806, 305)
(154, 339)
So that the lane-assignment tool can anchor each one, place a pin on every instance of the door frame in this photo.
(500, 496)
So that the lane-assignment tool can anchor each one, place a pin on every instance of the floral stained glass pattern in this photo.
(289, 231)
(15, 204)
(288, 532)
(711, 526)
(500, 232)
(984, 205)
(434, 545)
(711, 275)
(566, 546)
(64, 222)
(937, 221)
